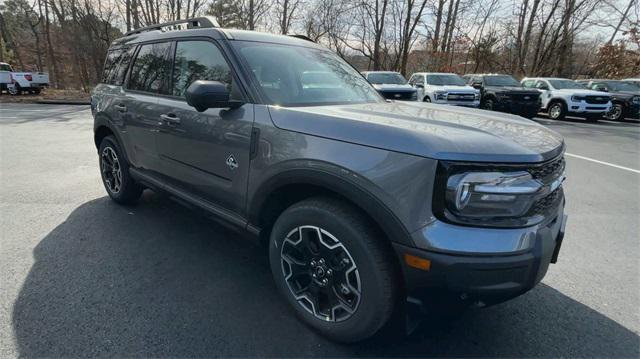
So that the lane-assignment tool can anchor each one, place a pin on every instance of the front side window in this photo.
(150, 68)
(198, 60)
(622, 86)
(501, 81)
(445, 80)
(5, 67)
(529, 83)
(302, 76)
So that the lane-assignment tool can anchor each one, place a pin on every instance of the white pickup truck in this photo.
(17, 82)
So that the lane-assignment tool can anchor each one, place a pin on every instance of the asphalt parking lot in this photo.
(82, 276)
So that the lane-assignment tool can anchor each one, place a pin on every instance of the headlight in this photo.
(476, 96)
(414, 95)
(504, 196)
(636, 100)
(578, 98)
(441, 95)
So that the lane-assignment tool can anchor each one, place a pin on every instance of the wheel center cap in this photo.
(320, 272)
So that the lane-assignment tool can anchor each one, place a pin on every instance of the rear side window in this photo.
(150, 68)
(121, 71)
(111, 64)
(198, 60)
(529, 83)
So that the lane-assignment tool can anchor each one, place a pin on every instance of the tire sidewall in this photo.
(127, 182)
(364, 322)
(562, 110)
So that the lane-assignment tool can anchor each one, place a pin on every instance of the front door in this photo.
(205, 153)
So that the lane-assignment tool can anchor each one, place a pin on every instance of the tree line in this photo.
(568, 38)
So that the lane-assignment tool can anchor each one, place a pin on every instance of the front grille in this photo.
(553, 169)
(461, 97)
(596, 99)
(542, 205)
(524, 97)
(398, 95)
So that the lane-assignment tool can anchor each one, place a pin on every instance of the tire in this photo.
(557, 110)
(616, 113)
(15, 89)
(359, 268)
(114, 171)
(426, 99)
(488, 104)
(37, 91)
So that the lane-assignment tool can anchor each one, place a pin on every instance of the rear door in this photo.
(138, 103)
(205, 153)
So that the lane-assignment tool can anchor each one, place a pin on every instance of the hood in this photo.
(578, 92)
(511, 89)
(427, 130)
(393, 87)
(624, 94)
(453, 88)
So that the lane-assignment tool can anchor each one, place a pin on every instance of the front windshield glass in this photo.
(501, 80)
(622, 86)
(565, 84)
(302, 76)
(445, 80)
(392, 78)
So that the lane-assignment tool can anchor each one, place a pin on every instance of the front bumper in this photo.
(474, 104)
(518, 107)
(583, 107)
(480, 265)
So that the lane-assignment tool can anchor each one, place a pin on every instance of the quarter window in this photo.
(198, 60)
(111, 64)
(150, 68)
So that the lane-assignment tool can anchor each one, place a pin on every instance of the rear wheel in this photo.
(114, 170)
(333, 268)
(557, 110)
(15, 89)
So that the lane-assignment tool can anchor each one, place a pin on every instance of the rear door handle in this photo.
(121, 108)
(170, 118)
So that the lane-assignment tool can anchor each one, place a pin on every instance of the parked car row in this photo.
(16, 83)
(558, 97)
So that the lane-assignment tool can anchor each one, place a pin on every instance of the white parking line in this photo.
(603, 163)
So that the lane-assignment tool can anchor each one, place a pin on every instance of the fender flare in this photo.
(356, 193)
(102, 120)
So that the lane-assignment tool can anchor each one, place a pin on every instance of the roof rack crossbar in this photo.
(196, 22)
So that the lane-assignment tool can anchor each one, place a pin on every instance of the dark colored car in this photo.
(625, 97)
(391, 85)
(365, 207)
(506, 94)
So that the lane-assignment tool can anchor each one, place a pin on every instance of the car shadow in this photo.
(157, 280)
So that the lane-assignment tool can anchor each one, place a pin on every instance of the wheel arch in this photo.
(289, 187)
(103, 128)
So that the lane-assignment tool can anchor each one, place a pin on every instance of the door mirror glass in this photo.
(203, 95)
(476, 85)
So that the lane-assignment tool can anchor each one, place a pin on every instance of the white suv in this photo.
(561, 97)
(444, 88)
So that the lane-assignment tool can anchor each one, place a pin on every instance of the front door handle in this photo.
(170, 118)
(121, 108)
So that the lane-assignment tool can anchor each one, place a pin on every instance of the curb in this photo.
(63, 102)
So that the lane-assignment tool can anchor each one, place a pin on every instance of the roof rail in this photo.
(196, 22)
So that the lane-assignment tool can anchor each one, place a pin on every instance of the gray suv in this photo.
(365, 206)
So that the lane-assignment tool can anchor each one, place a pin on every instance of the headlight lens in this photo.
(578, 98)
(477, 96)
(441, 95)
(414, 95)
(497, 196)
(490, 194)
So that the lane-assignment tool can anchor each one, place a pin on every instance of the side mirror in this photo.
(203, 95)
(543, 87)
(602, 88)
(476, 85)
(421, 86)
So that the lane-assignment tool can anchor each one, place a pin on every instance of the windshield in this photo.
(302, 76)
(443, 80)
(5, 67)
(565, 84)
(501, 80)
(380, 78)
(621, 86)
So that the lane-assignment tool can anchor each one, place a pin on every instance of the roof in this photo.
(434, 73)
(380, 72)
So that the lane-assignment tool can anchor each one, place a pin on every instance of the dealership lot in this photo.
(82, 276)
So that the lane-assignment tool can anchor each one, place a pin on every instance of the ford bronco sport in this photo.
(366, 207)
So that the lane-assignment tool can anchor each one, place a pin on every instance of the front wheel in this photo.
(426, 99)
(557, 110)
(114, 170)
(333, 268)
(488, 104)
(615, 114)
